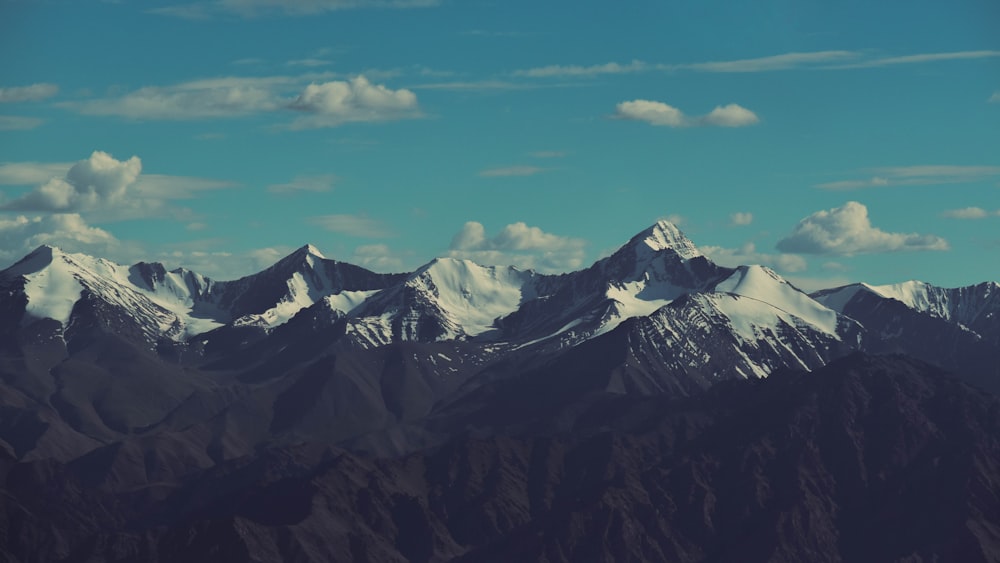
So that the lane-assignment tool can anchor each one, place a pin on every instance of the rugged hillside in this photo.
(866, 459)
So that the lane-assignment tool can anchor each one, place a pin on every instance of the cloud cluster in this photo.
(32, 93)
(847, 230)
(103, 187)
(664, 115)
(324, 103)
(748, 254)
(520, 245)
(98, 180)
(336, 102)
(20, 235)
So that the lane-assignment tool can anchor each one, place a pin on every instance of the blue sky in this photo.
(834, 143)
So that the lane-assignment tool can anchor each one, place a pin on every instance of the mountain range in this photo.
(138, 387)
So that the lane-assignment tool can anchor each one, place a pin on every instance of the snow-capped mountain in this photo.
(683, 313)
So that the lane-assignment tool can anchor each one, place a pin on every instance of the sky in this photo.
(832, 141)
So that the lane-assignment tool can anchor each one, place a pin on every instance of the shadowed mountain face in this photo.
(655, 406)
(867, 459)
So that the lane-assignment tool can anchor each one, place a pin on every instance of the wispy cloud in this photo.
(922, 175)
(815, 60)
(353, 225)
(583, 71)
(19, 123)
(970, 213)
(923, 58)
(785, 61)
(995, 98)
(511, 171)
(316, 184)
(32, 93)
(259, 8)
(847, 230)
(479, 85)
(664, 115)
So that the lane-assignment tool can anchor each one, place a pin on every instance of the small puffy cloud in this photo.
(970, 213)
(847, 230)
(511, 171)
(316, 184)
(19, 123)
(353, 225)
(654, 113)
(747, 254)
(98, 180)
(334, 103)
(20, 235)
(664, 115)
(741, 218)
(731, 115)
(33, 93)
(519, 245)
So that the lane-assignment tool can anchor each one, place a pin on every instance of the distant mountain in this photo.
(313, 348)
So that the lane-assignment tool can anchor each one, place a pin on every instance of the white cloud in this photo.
(202, 99)
(519, 245)
(378, 257)
(19, 123)
(101, 186)
(995, 98)
(970, 213)
(317, 184)
(353, 225)
(924, 58)
(20, 235)
(741, 218)
(583, 71)
(847, 230)
(337, 102)
(33, 93)
(922, 175)
(731, 115)
(98, 180)
(511, 171)
(785, 61)
(257, 8)
(664, 115)
(309, 62)
(747, 254)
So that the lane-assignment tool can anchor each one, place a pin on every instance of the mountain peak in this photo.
(664, 235)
